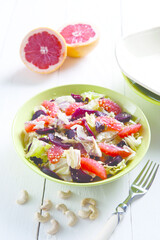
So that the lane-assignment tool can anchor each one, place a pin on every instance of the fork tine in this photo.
(149, 175)
(145, 174)
(152, 178)
(140, 174)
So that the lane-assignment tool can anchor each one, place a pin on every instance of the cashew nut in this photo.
(62, 207)
(72, 218)
(55, 227)
(86, 201)
(84, 213)
(41, 218)
(64, 195)
(94, 212)
(47, 205)
(23, 197)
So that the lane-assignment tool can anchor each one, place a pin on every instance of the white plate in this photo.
(138, 56)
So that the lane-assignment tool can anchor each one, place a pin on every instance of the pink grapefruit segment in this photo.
(80, 39)
(93, 166)
(111, 123)
(113, 150)
(130, 129)
(30, 125)
(51, 107)
(43, 50)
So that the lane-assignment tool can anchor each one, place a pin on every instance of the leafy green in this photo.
(114, 169)
(91, 95)
(38, 149)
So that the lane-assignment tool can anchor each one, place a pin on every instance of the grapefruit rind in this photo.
(51, 68)
(82, 49)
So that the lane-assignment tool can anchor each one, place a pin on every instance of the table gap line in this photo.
(42, 199)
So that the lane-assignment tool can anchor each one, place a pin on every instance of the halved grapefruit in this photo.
(43, 50)
(80, 39)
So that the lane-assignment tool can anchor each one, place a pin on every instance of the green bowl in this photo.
(25, 113)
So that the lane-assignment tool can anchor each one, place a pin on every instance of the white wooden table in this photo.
(18, 84)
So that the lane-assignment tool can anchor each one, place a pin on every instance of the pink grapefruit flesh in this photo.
(78, 33)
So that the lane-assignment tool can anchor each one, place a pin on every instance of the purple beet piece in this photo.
(58, 141)
(113, 161)
(50, 173)
(99, 127)
(80, 147)
(80, 112)
(80, 176)
(77, 98)
(38, 113)
(100, 114)
(44, 139)
(86, 100)
(123, 117)
(36, 160)
(121, 144)
(29, 146)
(45, 131)
(70, 133)
(88, 128)
(95, 158)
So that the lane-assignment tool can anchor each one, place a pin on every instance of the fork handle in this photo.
(109, 227)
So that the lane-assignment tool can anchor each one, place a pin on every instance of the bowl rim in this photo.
(90, 184)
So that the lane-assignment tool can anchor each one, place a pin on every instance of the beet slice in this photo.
(77, 98)
(50, 173)
(45, 131)
(123, 117)
(80, 176)
(58, 141)
(38, 113)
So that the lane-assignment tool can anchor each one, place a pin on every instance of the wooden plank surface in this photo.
(17, 84)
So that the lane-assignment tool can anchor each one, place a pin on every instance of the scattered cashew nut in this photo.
(86, 201)
(55, 227)
(72, 218)
(94, 212)
(62, 207)
(84, 213)
(64, 195)
(47, 205)
(42, 219)
(23, 197)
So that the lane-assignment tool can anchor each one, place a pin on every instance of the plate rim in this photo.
(140, 93)
(118, 46)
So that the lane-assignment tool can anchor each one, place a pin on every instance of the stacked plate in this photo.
(138, 56)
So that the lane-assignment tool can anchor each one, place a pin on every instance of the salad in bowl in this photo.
(81, 137)
(81, 134)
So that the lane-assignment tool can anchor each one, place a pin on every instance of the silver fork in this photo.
(139, 187)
